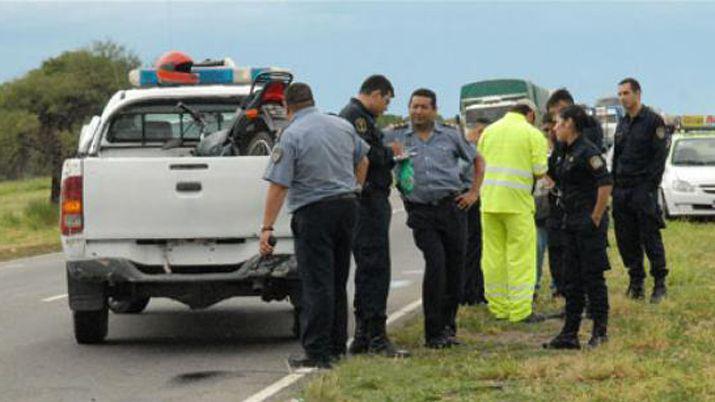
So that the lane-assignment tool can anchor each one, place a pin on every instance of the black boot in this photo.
(361, 341)
(564, 340)
(659, 291)
(635, 289)
(599, 335)
(379, 342)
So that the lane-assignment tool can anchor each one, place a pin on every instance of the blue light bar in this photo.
(146, 77)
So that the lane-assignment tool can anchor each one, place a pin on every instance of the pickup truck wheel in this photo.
(127, 306)
(260, 145)
(90, 326)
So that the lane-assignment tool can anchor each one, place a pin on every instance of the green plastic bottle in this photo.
(406, 177)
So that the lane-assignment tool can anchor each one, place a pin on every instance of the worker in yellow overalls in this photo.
(515, 153)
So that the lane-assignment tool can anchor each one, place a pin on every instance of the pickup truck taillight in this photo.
(71, 216)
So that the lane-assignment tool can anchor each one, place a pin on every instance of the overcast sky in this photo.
(334, 45)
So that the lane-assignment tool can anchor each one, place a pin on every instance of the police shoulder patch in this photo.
(596, 162)
(277, 154)
(660, 132)
(361, 125)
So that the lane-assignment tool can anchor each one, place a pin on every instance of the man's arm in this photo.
(601, 203)
(274, 202)
(660, 147)
(361, 170)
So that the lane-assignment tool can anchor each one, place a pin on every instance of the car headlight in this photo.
(683, 186)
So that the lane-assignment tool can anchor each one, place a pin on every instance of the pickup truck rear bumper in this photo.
(90, 282)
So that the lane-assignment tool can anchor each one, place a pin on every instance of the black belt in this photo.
(337, 197)
(442, 201)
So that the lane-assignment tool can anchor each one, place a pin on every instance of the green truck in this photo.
(491, 99)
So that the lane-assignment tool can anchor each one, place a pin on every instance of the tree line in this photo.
(41, 113)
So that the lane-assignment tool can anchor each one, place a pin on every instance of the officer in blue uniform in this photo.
(586, 186)
(435, 209)
(319, 163)
(641, 147)
(372, 247)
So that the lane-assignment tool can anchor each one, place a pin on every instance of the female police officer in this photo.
(586, 185)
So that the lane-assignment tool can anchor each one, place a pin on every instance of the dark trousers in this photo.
(440, 233)
(556, 256)
(323, 234)
(372, 258)
(585, 260)
(473, 276)
(638, 221)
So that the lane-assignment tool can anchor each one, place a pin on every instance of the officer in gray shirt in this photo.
(319, 163)
(435, 210)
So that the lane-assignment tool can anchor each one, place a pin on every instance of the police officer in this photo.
(586, 186)
(372, 248)
(435, 212)
(318, 163)
(473, 292)
(641, 147)
(558, 101)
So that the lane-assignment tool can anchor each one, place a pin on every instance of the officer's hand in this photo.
(467, 199)
(548, 182)
(397, 148)
(264, 246)
(596, 220)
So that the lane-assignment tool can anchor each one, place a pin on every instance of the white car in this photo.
(688, 186)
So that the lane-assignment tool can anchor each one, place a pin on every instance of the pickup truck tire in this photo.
(90, 327)
(260, 145)
(127, 306)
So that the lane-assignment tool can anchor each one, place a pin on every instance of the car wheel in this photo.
(663, 206)
(127, 306)
(90, 327)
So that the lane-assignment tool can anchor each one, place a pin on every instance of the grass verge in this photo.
(656, 352)
(28, 221)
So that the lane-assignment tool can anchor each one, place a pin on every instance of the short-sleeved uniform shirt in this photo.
(316, 158)
(436, 161)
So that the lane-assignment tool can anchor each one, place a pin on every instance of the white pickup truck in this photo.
(142, 216)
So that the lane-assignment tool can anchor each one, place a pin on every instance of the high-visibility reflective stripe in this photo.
(512, 171)
(504, 183)
(521, 287)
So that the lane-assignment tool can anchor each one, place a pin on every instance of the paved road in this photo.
(169, 353)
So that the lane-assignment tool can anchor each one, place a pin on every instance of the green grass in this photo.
(28, 221)
(656, 352)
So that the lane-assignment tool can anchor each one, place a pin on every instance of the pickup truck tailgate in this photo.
(175, 198)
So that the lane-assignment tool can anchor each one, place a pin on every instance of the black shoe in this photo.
(635, 290)
(597, 340)
(563, 341)
(379, 343)
(533, 318)
(386, 348)
(361, 341)
(437, 343)
(659, 291)
(450, 336)
(309, 362)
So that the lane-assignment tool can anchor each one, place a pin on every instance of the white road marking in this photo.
(292, 378)
(413, 272)
(400, 283)
(13, 266)
(53, 298)
(397, 210)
